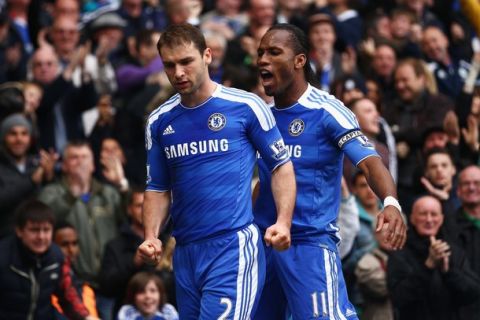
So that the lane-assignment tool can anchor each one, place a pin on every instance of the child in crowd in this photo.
(146, 300)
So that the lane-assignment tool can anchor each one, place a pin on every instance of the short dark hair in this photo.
(144, 37)
(181, 34)
(76, 144)
(34, 211)
(416, 64)
(300, 45)
(321, 18)
(138, 283)
(437, 150)
(63, 224)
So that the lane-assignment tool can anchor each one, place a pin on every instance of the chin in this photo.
(269, 93)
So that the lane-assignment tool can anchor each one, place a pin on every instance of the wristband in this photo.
(391, 201)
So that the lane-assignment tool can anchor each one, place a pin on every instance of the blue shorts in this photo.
(304, 282)
(220, 278)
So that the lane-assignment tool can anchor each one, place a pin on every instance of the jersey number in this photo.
(316, 312)
(225, 314)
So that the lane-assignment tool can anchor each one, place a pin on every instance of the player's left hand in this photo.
(396, 230)
(278, 236)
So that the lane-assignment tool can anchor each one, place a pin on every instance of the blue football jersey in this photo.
(206, 154)
(317, 131)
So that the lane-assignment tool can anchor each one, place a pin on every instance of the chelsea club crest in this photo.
(216, 122)
(296, 127)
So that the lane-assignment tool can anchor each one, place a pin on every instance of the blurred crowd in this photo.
(79, 77)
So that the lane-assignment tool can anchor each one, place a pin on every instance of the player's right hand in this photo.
(278, 236)
(151, 251)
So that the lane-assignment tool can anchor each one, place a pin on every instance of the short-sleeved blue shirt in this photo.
(317, 130)
(206, 155)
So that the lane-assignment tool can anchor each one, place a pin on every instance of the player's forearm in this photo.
(284, 191)
(155, 212)
(378, 177)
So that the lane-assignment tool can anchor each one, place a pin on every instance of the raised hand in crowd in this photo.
(113, 171)
(77, 60)
(470, 133)
(46, 169)
(349, 60)
(438, 254)
(439, 193)
(451, 127)
(367, 47)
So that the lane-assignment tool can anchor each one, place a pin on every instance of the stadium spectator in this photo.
(146, 299)
(463, 226)
(439, 179)
(32, 268)
(430, 278)
(21, 173)
(93, 208)
(121, 259)
(371, 276)
(414, 110)
(450, 74)
(59, 113)
(65, 236)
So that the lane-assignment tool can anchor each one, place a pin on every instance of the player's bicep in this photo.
(158, 178)
(268, 141)
(344, 131)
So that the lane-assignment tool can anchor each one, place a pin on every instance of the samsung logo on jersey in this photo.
(294, 151)
(196, 147)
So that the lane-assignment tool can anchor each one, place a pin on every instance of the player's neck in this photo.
(200, 95)
(291, 94)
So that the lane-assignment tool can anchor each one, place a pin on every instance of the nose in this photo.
(262, 60)
(179, 72)
(429, 217)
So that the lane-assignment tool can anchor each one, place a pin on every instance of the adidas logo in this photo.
(168, 130)
(349, 312)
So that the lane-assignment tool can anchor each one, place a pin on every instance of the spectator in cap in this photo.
(65, 36)
(21, 174)
(107, 33)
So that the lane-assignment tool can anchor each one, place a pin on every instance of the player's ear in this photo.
(207, 56)
(300, 60)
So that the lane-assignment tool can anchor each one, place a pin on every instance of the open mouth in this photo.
(266, 76)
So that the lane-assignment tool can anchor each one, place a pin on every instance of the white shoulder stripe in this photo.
(258, 106)
(167, 106)
(329, 103)
(254, 97)
(332, 100)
